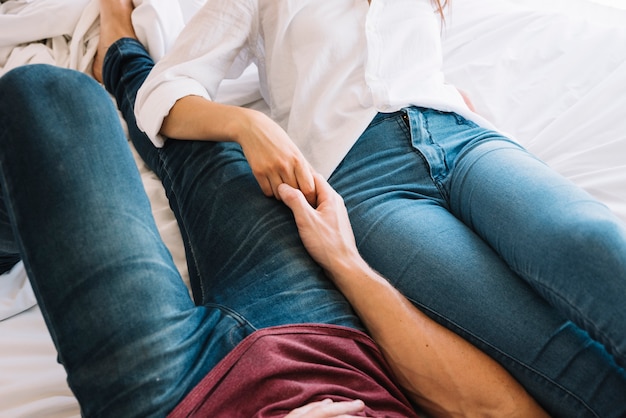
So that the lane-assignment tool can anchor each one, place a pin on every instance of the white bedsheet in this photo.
(552, 73)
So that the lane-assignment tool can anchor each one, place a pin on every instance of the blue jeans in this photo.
(131, 339)
(460, 219)
(492, 243)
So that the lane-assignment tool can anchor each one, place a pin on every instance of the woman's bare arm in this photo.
(272, 155)
(440, 371)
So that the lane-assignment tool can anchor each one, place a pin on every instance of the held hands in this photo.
(274, 158)
(272, 155)
(325, 230)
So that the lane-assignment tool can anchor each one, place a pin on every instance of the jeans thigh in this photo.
(566, 244)
(242, 246)
(404, 229)
(243, 251)
(127, 333)
(457, 279)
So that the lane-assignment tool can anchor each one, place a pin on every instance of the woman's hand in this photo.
(273, 156)
(327, 409)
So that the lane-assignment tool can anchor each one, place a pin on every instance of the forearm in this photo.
(196, 118)
(272, 155)
(439, 370)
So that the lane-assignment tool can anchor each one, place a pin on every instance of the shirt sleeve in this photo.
(214, 45)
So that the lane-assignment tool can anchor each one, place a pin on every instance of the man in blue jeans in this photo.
(269, 334)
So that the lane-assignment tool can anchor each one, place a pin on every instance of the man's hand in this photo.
(328, 409)
(325, 230)
(440, 371)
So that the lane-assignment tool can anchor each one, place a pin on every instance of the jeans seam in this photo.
(406, 126)
(235, 315)
(172, 195)
(572, 307)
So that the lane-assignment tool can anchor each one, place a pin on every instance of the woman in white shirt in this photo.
(475, 231)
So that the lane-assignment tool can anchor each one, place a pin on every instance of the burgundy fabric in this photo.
(276, 370)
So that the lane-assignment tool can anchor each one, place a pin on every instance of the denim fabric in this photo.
(489, 241)
(232, 232)
(130, 337)
(430, 196)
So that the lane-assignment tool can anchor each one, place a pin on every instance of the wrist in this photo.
(348, 269)
(240, 123)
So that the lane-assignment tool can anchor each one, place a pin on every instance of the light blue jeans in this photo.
(73, 207)
(480, 235)
(494, 244)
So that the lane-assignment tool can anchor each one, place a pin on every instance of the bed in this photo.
(551, 73)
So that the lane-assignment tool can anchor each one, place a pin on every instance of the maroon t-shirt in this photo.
(276, 370)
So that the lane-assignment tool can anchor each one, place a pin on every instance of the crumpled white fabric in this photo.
(65, 32)
(58, 32)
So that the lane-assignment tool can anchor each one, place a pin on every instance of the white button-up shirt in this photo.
(326, 67)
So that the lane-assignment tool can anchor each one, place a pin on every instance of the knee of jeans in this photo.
(16, 79)
(43, 102)
(29, 79)
(31, 87)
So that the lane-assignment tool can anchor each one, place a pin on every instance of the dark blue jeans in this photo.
(130, 337)
(479, 234)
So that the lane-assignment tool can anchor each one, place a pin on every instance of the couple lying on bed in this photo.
(470, 232)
